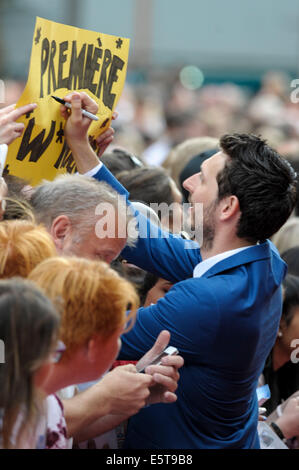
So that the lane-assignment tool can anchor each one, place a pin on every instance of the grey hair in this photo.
(77, 197)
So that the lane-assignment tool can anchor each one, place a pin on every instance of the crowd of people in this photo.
(209, 279)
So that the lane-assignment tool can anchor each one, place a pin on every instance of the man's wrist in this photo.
(94, 170)
(77, 143)
(84, 156)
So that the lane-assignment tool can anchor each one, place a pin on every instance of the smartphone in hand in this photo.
(169, 351)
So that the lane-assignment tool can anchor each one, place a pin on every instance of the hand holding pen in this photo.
(69, 106)
(76, 127)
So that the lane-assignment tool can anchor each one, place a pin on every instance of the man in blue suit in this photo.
(223, 312)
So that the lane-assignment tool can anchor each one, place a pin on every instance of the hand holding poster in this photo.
(64, 59)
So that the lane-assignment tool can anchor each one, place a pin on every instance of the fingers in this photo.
(9, 131)
(85, 101)
(104, 148)
(7, 109)
(107, 135)
(161, 342)
(18, 112)
(147, 380)
(174, 361)
(76, 115)
(163, 370)
(19, 127)
(141, 381)
(104, 140)
(64, 111)
(15, 135)
(167, 382)
(127, 367)
(159, 346)
(88, 103)
(169, 397)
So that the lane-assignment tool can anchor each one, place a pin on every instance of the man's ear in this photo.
(230, 207)
(60, 230)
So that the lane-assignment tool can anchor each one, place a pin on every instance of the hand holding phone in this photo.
(169, 351)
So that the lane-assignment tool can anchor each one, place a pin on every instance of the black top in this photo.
(282, 383)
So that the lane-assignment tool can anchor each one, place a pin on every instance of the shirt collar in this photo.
(205, 265)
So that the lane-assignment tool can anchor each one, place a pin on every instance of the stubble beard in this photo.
(209, 226)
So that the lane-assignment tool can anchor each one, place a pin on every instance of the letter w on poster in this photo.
(63, 59)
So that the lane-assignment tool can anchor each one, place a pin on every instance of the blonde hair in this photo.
(182, 153)
(17, 208)
(23, 245)
(94, 297)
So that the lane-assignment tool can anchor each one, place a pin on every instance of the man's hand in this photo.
(9, 129)
(166, 375)
(77, 125)
(76, 131)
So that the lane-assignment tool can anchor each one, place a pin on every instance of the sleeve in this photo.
(162, 253)
(94, 170)
(189, 311)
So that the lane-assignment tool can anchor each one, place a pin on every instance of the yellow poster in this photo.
(64, 59)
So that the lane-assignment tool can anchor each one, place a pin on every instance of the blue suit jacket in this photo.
(224, 324)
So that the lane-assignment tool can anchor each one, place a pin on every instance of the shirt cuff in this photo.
(94, 170)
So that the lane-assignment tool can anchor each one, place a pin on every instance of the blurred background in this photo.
(196, 68)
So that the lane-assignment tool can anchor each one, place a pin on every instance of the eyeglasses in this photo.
(56, 356)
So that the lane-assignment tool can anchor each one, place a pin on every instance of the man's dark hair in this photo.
(263, 182)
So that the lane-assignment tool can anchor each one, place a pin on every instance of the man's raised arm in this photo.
(157, 251)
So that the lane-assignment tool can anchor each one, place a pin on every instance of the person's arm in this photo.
(162, 391)
(121, 391)
(189, 311)
(166, 255)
